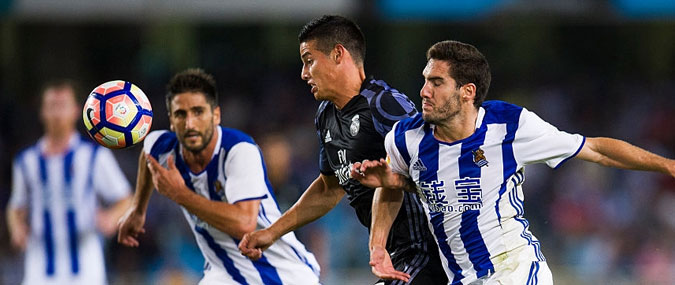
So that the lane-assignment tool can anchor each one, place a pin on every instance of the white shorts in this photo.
(526, 273)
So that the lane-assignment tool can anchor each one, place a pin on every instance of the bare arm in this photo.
(620, 154)
(18, 226)
(131, 223)
(319, 198)
(386, 204)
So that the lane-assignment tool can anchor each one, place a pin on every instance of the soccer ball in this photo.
(117, 114)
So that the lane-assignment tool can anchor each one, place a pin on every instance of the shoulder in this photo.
(160, 141)
(24, 152)
(387, 102)
(321, 110)
(411, 123)
(501, 112)
(232, 137)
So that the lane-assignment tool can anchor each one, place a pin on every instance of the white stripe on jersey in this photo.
(60, 191)
(237, 173)
(471, 188)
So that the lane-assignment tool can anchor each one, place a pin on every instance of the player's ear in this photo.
(468, 92)
(216, 115)
(338, 53)
(172, 128)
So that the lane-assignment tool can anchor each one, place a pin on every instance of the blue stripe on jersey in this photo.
(520, 212)
(268, 273)
(303, 259)
(222, 255)
(163, 144)
(70, 213)
(399, 135)
(49, 242)
(184, 171)
(211, 176)
(47, 218)
(72, 242)
(532, 276)
(92, 159)
(468, 230)
(511, 119)
(428, 153)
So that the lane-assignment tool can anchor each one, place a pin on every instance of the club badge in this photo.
(356, 124)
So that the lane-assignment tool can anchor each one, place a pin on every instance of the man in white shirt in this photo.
(217, 176)
(465, 159)
(53, 212)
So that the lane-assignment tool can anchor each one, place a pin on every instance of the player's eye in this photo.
(179, 114)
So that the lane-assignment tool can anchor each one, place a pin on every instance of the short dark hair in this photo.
(329, 30)
(62, 83)
(192, 80)
(467, 65)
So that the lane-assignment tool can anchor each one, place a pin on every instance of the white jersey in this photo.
(61, 191)
(236, 173)
(471, 188)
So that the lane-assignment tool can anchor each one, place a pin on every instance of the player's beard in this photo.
(206, 138)
(444, 112)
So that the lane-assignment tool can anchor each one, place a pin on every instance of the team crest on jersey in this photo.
(356, 124)
(479, 158)
(218, 186)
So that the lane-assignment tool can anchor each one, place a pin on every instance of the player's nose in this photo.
(304, 74)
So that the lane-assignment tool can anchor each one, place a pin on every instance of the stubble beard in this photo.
(206, 138)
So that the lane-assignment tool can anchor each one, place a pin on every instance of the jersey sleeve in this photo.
(19, 197)
(389, 108)
(538, 141)
(245, 174)
(109, 181)
(394, 158)
(151, 139)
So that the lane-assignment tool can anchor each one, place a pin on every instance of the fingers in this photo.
(170, 163)
(388, 272)
(153, 165)
(247, 248)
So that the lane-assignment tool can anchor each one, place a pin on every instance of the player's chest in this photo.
(350, 137)
(458, 177)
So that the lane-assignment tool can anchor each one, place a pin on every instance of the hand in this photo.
(253, 244)
(381, 266)
(167, 181)
(371, 173)
(106, 223)
(130, 226)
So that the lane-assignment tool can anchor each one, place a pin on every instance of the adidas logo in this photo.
(419, 166)
(327, 138)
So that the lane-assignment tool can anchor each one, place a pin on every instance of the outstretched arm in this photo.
(620, 154)
(386, 204)
(131, 223)
(321, 196)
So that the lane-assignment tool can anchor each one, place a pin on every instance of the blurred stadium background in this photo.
(596, 67)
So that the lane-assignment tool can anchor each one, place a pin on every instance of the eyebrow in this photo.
(435, 78)
(305, 54)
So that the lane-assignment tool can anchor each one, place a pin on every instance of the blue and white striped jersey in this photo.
(471, 188)
(236, 173)
(61, 193)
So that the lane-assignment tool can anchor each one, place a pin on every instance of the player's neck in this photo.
(459, 127)
(353, 81)
(197, 161)
(57, 142)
